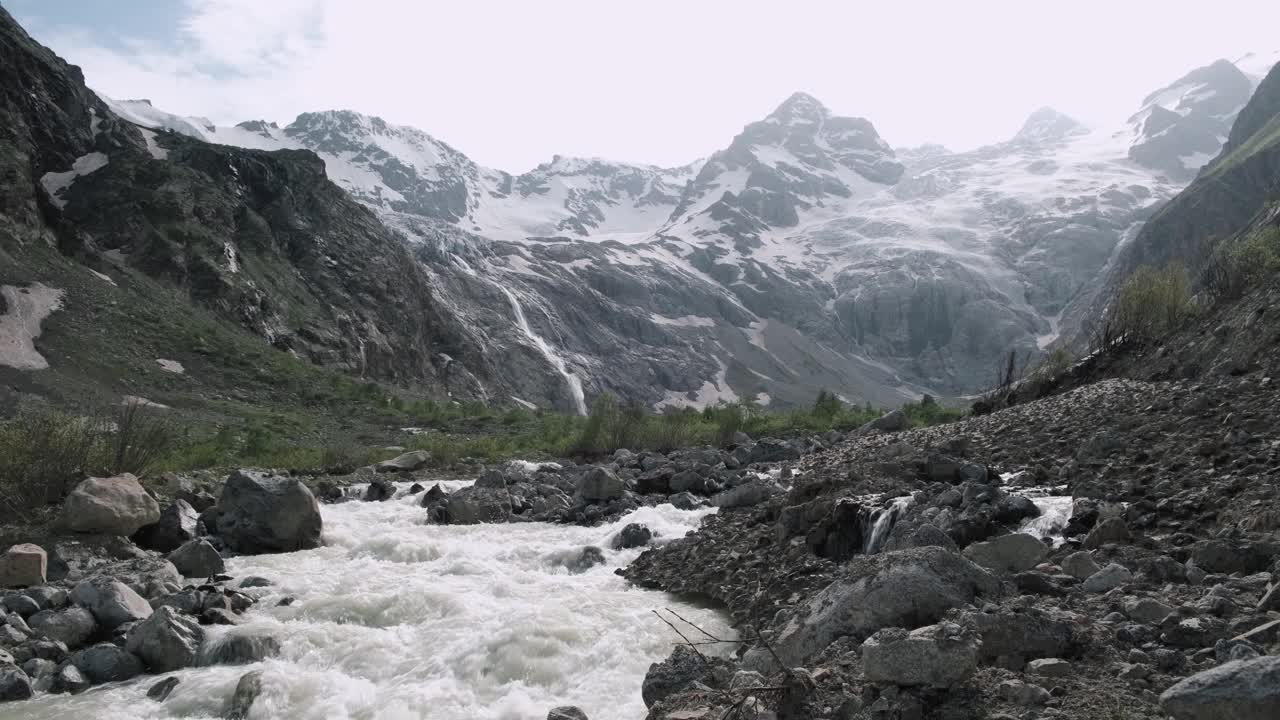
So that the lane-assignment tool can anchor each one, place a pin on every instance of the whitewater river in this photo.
(397, 619)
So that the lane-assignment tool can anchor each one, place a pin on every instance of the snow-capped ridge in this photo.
(1046, 125)
(800, 107)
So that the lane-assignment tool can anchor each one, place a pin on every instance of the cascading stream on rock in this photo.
(395, 618)
(557, 361)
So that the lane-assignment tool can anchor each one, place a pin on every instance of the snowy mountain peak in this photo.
(1048, 125)
(1183, 125)
(800, 108)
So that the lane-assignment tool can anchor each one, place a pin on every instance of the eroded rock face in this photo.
(115, 505)
(262, 514)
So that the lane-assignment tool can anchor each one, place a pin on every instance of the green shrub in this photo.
(1150, 304)
(141, 437)
(1053, 364)
(1234, 268)
(42, 452)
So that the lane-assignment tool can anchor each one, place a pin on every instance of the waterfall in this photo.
(1055, 512)
(884, 520)
(558, 362)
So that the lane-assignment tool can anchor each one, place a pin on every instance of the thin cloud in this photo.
(512, 83)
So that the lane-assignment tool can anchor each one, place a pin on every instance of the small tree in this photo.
(1150, 304)
(827, 405)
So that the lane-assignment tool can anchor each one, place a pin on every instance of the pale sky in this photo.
(513, 82)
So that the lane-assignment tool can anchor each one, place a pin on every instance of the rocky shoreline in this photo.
(128, 577)
(99, 607)
(1158, 597)
(885, 573)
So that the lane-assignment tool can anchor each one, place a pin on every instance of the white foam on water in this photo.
(885, 519)
(395, 619)
(1055, 512)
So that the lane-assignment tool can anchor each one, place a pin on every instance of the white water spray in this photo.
(395, 619)
(1055, 512)
(558, 362)
(885, 519)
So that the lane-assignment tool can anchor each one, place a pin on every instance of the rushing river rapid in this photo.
(396, 619)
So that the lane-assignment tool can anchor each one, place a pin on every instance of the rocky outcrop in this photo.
(1086, 632)
(115, 506)
(261, 514)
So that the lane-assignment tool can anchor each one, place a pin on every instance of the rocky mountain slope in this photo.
(806, 254)
(1233, 197)
(137, 241)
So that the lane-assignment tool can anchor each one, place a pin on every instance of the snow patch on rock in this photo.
(57, 183)
(27, 308)
(172, 366)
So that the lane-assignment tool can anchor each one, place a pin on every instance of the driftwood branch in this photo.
(736, 705)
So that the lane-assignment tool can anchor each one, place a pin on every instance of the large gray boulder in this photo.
(473, 505)
(72, 626)
(1080, 565)
(937, 656)
(14, 683)
(566, 712)
(904, 588)
(1008, 553)
(177, 524)
(166, 641)
(241, 649)
(115, 506)
(1111, 530)
(1020, 636)
(895, 421)
(106, 662)
(1240, 690)
(600, 485)
(1108, 578)
(197, 559)
(112, 602)
(247, 691)
(746, 495)
(264, 514)
(681, 670)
